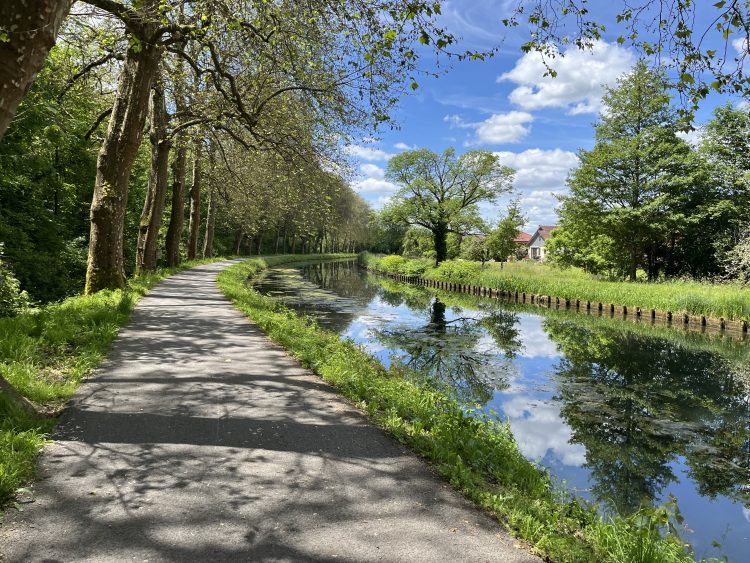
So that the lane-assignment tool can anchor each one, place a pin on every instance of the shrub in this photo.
(12, 299)
(458, 270)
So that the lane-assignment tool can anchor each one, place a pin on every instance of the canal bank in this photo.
(683, 305)
(476, 454)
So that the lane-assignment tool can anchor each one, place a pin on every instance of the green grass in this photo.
(720, 300)
(45, 353)
(476, 454)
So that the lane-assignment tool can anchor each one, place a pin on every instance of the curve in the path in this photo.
(200, 440)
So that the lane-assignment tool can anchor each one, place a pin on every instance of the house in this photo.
(536, 244)
(522, 240)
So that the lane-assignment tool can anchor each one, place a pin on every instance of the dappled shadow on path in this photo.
(199, 440)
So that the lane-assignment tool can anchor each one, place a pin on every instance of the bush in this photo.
(459, 271)
(12, 299)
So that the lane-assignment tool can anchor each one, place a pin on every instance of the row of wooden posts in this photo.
(699, 322)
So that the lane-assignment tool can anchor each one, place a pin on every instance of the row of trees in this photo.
(645, 199)
(243, 107)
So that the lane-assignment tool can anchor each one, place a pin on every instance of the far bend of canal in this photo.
(621, 413)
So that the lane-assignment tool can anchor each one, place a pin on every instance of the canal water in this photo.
(619, 413)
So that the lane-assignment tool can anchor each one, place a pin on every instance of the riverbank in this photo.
(477, 455)
(46, 352)
(679, 302)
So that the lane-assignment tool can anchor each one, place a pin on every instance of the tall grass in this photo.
(721, 300)
(476, 454)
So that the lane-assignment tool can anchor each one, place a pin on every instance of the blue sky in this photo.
(535, 124)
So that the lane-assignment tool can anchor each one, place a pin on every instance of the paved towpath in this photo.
(200, 440)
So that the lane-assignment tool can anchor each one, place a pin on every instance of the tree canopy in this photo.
(442, 192)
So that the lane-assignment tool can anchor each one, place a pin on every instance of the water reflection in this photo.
(447, 350)
(637, 404)
(625, 414)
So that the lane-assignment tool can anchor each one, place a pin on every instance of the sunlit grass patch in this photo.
(719, 300)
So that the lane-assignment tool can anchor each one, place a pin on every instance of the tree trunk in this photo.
(16, 398)
(195, 204)
(208, 239)
(260, 243)
(113, 167)
(238, 236)
(177, 213)
(32, 28)
(440, 237)
(153, 207)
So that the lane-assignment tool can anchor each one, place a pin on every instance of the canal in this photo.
(619, 413)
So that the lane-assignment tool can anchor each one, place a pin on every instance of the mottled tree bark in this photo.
(195, 204)
(238, 236)
(153, 206)
(208, 239)
(113, 167)
(31, 27)
(177, 213)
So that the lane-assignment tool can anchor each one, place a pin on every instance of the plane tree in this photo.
(442, 192)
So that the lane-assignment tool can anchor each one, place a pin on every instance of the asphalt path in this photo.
(200, 440)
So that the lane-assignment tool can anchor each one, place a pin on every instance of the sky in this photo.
(534, 124)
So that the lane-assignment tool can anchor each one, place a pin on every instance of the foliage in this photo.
(738, 260)
(704, 58)
(725, 145)
(441, 192)
(476, 453)
(46, 172)
(501, 242)
(476, 248)
(460, 271)
(725, 300)
(636, 199)
(12, 299)
(384, 236)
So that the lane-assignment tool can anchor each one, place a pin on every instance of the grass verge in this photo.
(730, 301)
(478, 455)
(45, 353)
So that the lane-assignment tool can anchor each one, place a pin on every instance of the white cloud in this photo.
(382, 201)
(509, 127)
(693, 137)
(538, 169)
(405, 147)
(744, 105)
(580, 80)
(539, 428)
(540, 208)
(540, 176)
(740, 45)
(374, 185)
(366, 153)
(372, 171)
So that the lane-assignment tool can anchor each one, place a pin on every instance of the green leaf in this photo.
(414, 85)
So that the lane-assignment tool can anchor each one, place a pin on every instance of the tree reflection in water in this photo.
(638, 403)
(447, 351)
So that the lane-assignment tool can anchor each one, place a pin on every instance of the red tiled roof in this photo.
(545, 232)
(522, 238)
